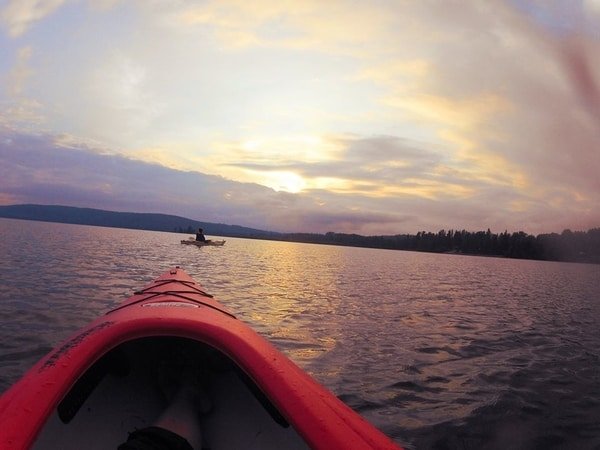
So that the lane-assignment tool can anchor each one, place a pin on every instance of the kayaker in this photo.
(200, 235)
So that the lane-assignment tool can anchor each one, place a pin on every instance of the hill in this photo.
(138, 221)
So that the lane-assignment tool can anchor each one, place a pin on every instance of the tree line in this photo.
(576, 246)
(573, 246)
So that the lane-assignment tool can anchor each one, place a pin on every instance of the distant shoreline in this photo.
(569, 246)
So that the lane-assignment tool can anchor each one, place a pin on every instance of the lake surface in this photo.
(438, 351)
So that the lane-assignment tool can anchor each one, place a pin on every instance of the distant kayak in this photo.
(192, 241)
(108, 380)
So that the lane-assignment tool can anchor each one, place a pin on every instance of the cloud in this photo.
(41, 169)
(364, 165)
(21, 109)
(385, 166)
(291, 24)
(512, 99)
(56, 169)
(19, 15)
(18, 76)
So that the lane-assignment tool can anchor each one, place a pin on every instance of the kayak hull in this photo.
(211, 243)
(174, 312)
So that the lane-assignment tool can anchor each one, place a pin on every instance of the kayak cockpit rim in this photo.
(135, 365)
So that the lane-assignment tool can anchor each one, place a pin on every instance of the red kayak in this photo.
(108, 379)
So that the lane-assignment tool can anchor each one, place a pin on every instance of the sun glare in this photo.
(284, 181)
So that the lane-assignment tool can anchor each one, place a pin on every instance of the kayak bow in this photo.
(101, 384)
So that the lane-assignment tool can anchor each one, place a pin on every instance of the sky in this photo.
(368, 117)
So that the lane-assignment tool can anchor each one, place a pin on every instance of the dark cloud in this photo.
(36, 169)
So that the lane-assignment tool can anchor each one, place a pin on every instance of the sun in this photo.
(284, 181)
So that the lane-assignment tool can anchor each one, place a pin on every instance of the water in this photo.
(438, 351)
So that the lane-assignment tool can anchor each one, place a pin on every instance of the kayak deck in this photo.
(131, 394)
(111, 378)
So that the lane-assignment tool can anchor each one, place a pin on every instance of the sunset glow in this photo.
(398, 116)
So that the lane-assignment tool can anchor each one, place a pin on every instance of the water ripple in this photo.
(438, 351)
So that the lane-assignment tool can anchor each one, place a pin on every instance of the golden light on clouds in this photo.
(331, 184)
(425, 188)
(308, 148)
(159, 155)
(465, 113)
(473, 160)
(292, 24)
(405, 74)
